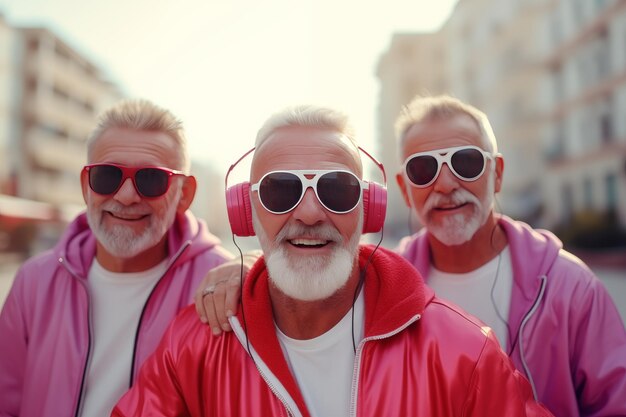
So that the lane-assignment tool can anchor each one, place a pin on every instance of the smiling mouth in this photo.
(450, 207)
(309, 243)
(127, 217)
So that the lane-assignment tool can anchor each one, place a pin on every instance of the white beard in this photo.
(123, 242)
(313, 277)
(458, 228)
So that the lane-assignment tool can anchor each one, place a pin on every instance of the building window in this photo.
(611, 191)
(606, 128)
(588, 193)
(567, 197)
(557, 83)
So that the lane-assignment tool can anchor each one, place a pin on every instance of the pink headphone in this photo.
(240, 210)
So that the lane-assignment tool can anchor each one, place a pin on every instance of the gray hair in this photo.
(139, 114)
(309, 116)
(423, 108)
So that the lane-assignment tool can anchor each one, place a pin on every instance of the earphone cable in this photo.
(243, 312)
(362, 275)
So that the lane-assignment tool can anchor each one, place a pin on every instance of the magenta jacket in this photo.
(420, 357)
(45, 321)
(568, 337)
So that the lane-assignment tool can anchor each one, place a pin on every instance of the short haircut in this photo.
(140, 114)
(423, 108)
(308, 116)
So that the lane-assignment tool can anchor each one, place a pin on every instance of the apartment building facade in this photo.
(50, 96)
(550, 75)
(585, 136)
(61, 94)
(411, 65)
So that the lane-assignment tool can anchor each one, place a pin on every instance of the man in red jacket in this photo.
(327, 327)
(81, 318)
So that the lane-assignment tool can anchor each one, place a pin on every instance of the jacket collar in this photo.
(77, 246)
(394, 293)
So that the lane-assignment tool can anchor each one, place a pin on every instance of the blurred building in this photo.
(584, 140)
(209, 202)
(551, 76)
(411, 65)
(61, 94)
(50, 96)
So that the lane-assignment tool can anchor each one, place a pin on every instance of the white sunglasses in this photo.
(466, 162)
(339, 191)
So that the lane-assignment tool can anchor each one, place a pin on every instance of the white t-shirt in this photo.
(323, 367)
(116, 303)
(473, 291)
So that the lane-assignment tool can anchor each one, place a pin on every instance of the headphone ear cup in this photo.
(374, 208)
(239, 209)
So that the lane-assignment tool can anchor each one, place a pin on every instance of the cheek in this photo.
(271, 223)
(347, 224)
(95, 200)
(419, 196)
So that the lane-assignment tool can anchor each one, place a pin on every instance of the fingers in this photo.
(217, 297)
(231, 301)
(210, 301)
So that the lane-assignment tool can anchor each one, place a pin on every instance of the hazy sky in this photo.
(225, 66)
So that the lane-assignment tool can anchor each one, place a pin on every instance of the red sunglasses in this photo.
(150, 182)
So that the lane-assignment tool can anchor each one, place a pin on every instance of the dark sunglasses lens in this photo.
(105, 179)
(421, 169)
(151, 182)
(339, 191)
(468, 163)
(280, 191)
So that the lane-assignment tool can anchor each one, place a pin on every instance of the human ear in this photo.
(188, 193)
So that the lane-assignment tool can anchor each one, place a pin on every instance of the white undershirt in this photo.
(116, 303)
(472, 291)
(323, 367)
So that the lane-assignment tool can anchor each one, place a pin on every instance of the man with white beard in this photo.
(327, 327)
(550, 312)
(81, 318)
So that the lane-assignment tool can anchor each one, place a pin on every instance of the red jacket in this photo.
(420, 357)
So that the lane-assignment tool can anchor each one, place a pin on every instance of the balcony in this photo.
(55, 152)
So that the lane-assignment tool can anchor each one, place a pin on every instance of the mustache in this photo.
(456, 198)
(115, 207)
(323, 231)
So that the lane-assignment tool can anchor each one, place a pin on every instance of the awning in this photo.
(22, 209)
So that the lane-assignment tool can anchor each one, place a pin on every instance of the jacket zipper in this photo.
(79, 401)
(357, 361)
(145, 305)
(267, 376)
(525, 320)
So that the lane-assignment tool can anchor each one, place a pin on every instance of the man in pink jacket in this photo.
(327, 327)
(81, 318)
(552, 315)
(550, 312)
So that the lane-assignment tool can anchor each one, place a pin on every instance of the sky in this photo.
(224, 66)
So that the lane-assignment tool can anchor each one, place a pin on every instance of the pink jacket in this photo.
(45, 324)
(568, 337)
(420, 357)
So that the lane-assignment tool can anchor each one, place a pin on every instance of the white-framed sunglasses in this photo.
(339, 191)
(467, 163)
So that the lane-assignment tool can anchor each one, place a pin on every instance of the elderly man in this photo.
(549, 311)
(327, 327)
(80, 319)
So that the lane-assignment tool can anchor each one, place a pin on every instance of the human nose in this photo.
(127, 194)
(310, 211)
(446, 181)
